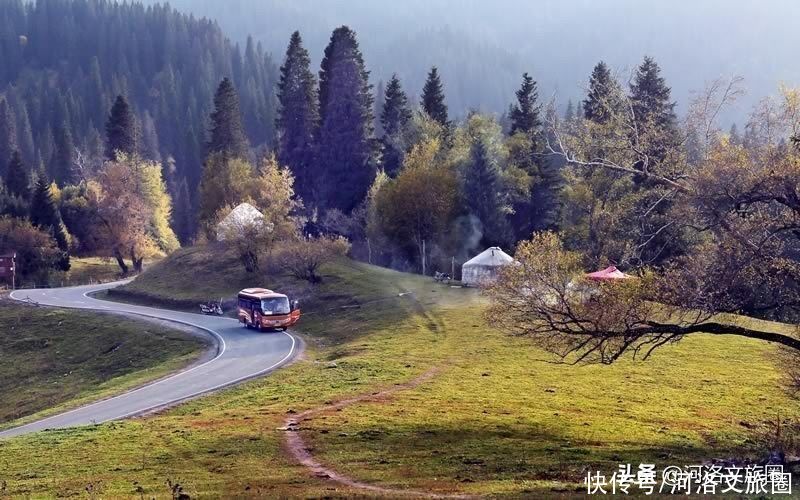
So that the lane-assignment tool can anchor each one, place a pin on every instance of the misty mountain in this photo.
(483, 47)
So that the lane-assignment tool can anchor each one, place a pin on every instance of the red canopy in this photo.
(608, 274)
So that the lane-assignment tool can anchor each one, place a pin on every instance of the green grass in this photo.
(497, 419)
(54, 358)
(84, 271)
(88, 270)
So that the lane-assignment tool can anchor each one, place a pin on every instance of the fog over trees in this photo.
(481, 48)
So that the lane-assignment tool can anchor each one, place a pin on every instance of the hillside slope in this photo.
(493, 416)
(55, 357)
(60, 79)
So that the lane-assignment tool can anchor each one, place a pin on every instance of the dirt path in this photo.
(299, 450)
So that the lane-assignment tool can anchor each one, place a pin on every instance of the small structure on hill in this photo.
(242, 219)
(611, 273)
(484, 267)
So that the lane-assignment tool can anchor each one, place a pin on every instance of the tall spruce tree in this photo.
(650, 96)
(569, 112)
(526, 147)
(482, 183)
(603, 99)
(298, 117)
(377, 112)
(17, 177)
(62, 165)
(183, 215)
(524, 114)
(121, 134)
(433, 98)
(395, 117)
(654, 110)
(44, 213)
(345, 151)
(546, 200)
(8, 133)
(227, 132)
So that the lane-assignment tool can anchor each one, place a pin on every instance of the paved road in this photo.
(241, 354)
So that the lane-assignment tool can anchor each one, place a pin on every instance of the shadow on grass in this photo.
(487, 454)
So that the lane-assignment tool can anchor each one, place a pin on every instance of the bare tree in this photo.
(740, 212)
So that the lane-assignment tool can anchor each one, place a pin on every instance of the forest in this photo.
(60, 80)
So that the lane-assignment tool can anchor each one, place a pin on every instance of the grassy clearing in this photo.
(497, 419)
(84, 271)
(53, 358)
(87, 270)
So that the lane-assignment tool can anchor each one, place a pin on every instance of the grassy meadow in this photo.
(54, 358)
(497, 418)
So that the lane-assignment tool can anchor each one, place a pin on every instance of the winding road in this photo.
(241, 354)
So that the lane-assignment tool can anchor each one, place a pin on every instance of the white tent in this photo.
(236, 223)
(483, 268)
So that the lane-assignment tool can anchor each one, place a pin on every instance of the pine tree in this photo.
(121, 134)
(395, 117)
(345, 152)
(17, 178)
(298, 117)
(377, 112)
(603, 99)
(526, 146)
(45, 214)
(63, 162)
(524, 113)
(482, 183)
(546, 201)
(650, 96)
(227, 131)
(25, 136)
(569, 112)
(653, 110)
(433, 98)
(182, 216)
(8, 133)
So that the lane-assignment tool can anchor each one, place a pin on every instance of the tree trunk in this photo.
(137, 261)
(121, 262)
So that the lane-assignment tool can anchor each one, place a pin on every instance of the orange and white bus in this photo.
(264, 309)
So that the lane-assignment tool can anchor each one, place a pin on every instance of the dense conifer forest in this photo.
(58, 81)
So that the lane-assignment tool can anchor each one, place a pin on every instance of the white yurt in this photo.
(483, 268)
(236, 223)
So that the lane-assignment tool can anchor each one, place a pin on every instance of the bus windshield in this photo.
(275, 305)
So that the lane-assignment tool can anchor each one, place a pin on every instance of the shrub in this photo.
(303, 258)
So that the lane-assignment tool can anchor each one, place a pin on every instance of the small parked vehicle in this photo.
(442, 277)
(212, 308)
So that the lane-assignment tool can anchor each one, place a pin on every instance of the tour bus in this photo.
(264, 309)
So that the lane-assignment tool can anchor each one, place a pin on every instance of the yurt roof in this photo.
(608, 274)
(242, 215)
(491, 257)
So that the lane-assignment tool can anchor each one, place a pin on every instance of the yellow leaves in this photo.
(422, 198)
(133, 202)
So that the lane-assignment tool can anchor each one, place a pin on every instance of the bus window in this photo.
(275, 305)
